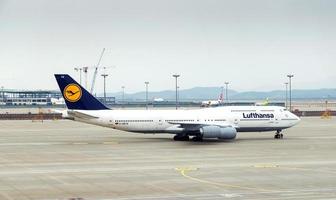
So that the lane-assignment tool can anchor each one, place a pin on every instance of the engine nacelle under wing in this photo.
(218, 132)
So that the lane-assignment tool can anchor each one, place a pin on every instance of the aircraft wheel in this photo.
(181, 138)
(176, 138)
(197, 139)
(186, 138)
(278, 135)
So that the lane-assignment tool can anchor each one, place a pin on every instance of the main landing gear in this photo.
(196, 138)
(278, 135)
(181, 137)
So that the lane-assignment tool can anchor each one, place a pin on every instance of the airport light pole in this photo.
(286, 94)
(176, 102)
(290, 76)
(123, 94)
(178, 95)
(226, 92)
(222, 95)
(146, 94)
(3, 94)
(80, 74)
(104, 76)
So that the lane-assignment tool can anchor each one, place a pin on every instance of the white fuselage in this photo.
(243, 118)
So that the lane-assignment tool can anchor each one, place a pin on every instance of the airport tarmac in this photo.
(70, 160)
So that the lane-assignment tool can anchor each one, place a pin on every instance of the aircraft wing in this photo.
(197, 126)
(81, 115)
(70, 114)
(64, 113)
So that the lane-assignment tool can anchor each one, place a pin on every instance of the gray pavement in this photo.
(65, 160)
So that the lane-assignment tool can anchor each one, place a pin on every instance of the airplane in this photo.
(211, 103)
(157, 100)
(202, 123)
(265, 103)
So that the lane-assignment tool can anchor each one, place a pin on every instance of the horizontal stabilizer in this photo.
(80, 115)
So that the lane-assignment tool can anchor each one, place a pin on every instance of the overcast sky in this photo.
(251, 44)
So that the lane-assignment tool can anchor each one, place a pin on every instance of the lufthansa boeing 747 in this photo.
(218, 122)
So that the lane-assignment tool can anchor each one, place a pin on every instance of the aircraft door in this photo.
(236, 121)
(275, 120)
(159, 124)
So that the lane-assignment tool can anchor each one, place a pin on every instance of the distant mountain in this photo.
(196, 93)
(296, 94)
(206, 93)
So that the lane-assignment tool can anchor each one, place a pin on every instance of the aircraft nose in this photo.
(297, 119)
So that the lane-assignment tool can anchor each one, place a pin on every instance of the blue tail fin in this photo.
(75, 96)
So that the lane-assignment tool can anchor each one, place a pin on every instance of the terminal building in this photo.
(30, 97)
(37, 98)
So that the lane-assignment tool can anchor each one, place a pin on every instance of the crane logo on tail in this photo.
(72, 92)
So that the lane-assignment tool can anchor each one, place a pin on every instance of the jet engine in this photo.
(218, 132)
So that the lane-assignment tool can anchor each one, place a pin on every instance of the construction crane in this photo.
(96, 71)
(86, 70)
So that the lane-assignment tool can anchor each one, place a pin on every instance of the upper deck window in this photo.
(243, 110)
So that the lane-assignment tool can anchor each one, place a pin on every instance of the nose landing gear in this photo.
(278, 135)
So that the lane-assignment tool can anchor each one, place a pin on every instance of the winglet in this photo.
(75, 96)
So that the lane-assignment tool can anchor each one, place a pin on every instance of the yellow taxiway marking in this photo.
(184, 170)
(110, 142)
(79, 143)
(265, 166)
(84, 143)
